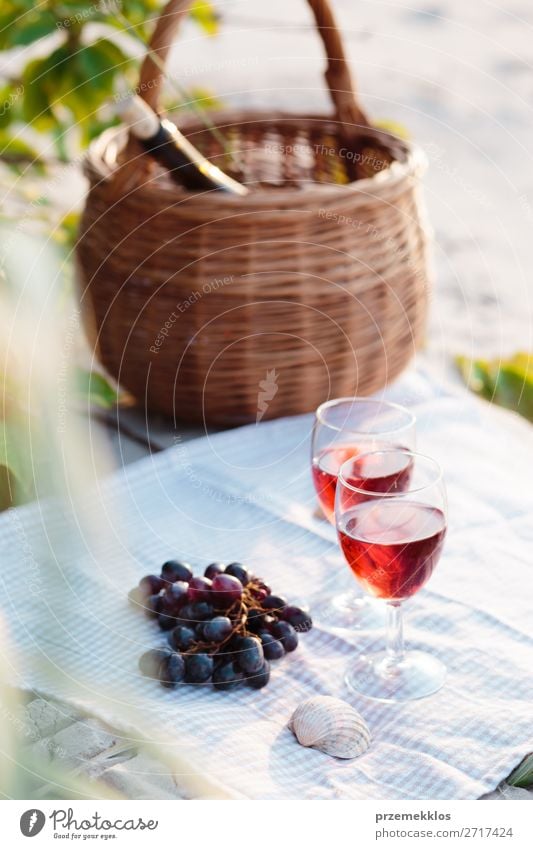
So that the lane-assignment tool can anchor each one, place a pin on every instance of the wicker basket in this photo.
(227, 310)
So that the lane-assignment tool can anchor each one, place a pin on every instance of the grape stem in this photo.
(238, 613)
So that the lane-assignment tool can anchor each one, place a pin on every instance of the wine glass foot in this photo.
(348, 610)
(375, 676)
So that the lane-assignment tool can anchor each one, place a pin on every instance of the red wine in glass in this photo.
(383, 473)
(392, 546)
(325, 468)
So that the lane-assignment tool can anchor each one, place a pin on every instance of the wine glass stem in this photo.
(395, 647)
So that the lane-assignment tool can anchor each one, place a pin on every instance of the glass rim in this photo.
(390, 405)
(405, 452)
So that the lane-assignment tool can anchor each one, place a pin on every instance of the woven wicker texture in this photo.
(222, 309)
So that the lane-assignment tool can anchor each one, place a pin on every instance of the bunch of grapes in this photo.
(223, 628)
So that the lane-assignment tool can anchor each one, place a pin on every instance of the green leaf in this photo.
(16, 477)
(15, 149)
(10, 101)
(8, 489)
(38, 82)
(203, 13)
(508, 383)
(94, 388)
(98, 64)
(87, 83)
(32, 27)
(23, 23)
(79, 80)
(8, 24)
(522, 776)
(136, 18)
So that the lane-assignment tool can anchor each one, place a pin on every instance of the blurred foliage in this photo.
(22, 433)
(508, 383)
(205, 16)
(93, 387)
(66, 231)
(69, 84)
(43, 387)
(15, 152)
(16, 470)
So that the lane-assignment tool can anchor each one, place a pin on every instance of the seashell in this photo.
(332, 726)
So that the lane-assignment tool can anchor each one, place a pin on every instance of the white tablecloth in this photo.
(246, 495)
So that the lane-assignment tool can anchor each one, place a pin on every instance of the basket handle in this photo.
(338, 77)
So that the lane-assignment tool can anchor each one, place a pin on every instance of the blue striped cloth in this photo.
(246, 495)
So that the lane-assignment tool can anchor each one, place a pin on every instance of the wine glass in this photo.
(392, 538)
(344, 428)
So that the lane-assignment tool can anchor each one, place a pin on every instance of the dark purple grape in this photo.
(226, 677)
(299, 619)
(272, 648)
(197, 612)
(274, 602)
(259, 679)
(151, 660)
(175, 596)
(199, 589)
(213, 570)
(225, 591)
(175, 570)
(172, 670)
(185, 615)
(249, 654)
(181, 638)
(217, 629)
(201, 611)
(153, 605)
(255, 621)
(182, 622)
(232, 645)
(198, 668)
(286, 634)
(166, 621)
(151, 585)
(237, 570)
(224, 656)
(199, 631)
